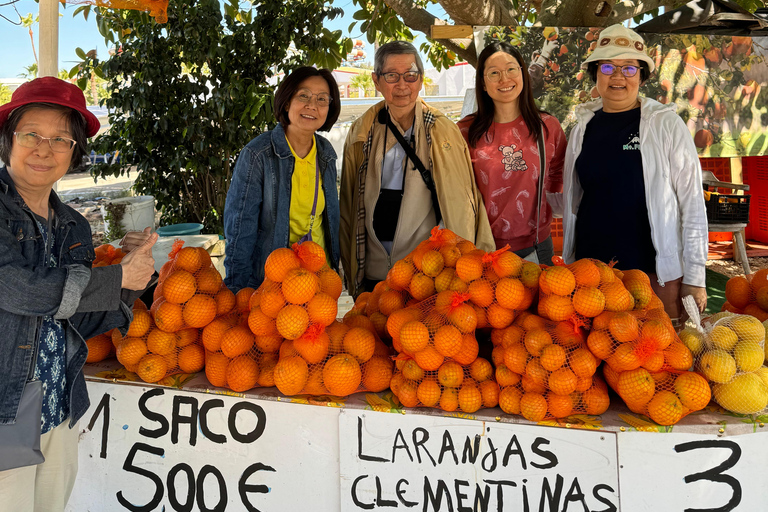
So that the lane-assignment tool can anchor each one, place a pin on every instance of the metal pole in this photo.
(48, 38)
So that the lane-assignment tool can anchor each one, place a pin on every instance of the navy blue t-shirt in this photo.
(612, 220)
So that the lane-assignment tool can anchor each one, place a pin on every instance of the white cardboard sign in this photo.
(159, 449)
(693, 473)
(438, 464)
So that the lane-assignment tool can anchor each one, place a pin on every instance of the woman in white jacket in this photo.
(632, 186)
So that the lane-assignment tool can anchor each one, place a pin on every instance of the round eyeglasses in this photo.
(510, 72)
(305, 96)
(628, 71)
(408, 76)
(32, 140)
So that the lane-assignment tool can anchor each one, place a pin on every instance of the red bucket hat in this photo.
(50, 90)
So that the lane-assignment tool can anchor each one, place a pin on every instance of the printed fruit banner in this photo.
(719, 84)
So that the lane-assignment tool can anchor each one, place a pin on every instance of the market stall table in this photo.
(146, 446)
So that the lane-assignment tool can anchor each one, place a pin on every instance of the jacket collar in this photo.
(648, 108)
(282, 150)
(8, 188)
(361, 127)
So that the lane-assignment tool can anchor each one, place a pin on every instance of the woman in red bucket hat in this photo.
(51, 300)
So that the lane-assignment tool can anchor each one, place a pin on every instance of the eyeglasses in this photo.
(511, 72)
(32, 140)
(305, 96)
(408, 76)
(628, 70)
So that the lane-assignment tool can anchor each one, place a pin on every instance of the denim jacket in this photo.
(257, 211)
(86, 301)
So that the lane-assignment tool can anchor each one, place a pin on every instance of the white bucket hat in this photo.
(619, 42)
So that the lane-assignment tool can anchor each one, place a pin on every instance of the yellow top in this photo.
(303, 195)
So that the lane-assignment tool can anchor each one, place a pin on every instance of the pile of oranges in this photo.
(451, 387)
(438, 365)
(545, 369)
(748, 295)
(153, 353)
(234, 357)
(647, 364)
(190, 292)
(166, 339)
(583, 290)
(296, 337)
(338, 360)
(107, 255)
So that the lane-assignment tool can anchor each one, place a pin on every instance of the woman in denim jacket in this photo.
(51, 300)
(270, 199)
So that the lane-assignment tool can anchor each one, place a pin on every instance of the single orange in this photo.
(242, 374)
(342, 375)
(152, 368)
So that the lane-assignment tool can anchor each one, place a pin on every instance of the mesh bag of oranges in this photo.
(548, 366)
(153, 353)
(586, 288)
(664, 396)
(337, 360)
(107, 254)
(730, 354)
(235, 357)
(439, 328)
(430, 267)
(190, 292)
(242, 347)
(627, 340)
(748, 295)
(450, 387)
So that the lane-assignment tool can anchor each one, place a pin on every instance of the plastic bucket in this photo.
(189, 228)
(139, 213)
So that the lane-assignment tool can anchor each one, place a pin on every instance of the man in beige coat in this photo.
(386, 205)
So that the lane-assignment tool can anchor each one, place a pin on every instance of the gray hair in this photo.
(395, 48)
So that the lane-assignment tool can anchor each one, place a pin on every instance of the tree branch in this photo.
(594, 13)
(419, 19)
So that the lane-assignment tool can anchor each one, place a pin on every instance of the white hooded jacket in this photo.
(673, 191)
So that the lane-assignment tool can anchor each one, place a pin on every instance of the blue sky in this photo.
(16, 48)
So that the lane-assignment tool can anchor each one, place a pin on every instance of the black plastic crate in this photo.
(727, 208)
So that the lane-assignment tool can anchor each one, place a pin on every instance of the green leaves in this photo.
(185, 97)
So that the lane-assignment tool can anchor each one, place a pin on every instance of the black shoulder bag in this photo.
(411, 154)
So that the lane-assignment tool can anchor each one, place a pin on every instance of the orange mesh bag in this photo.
(664, 396)
(154, 354)
(647, 364)
(435, 330)
(539, 406)
(581, 291)
(550, 363)
(293, 318)
(188, 290)
(236, 358)
(730, 354)
(451, 387)
(430, 267)
(107, 254)
(627, 340)
(158, 9)
(336, 360)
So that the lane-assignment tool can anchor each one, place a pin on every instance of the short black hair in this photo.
(291, 84)
(645, 71)
(75, 122)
